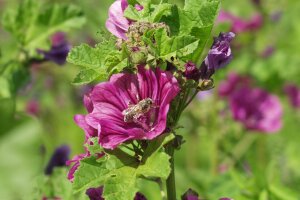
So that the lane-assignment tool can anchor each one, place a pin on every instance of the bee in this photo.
(133, 112)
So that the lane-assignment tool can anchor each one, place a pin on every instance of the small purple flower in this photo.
(191, 71)
(116, 23)
(234, 81)
(190, 195)
(95, 193)
(58, 159)
(293, 93)
(59, 49)
(256, 109)
(239, 25)
(110, 107)
(218, 56)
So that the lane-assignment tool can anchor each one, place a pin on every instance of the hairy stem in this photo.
(170, 183)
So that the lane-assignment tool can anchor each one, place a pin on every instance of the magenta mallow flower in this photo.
(218, 56)
(129, 107)
(191, 71)
(59, 49)
(116, 23)
(256, 109)
(190, 195)
(58, 159)
(239, 25)
(293, 93)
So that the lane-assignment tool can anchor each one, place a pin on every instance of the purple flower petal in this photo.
(190, 195)
(117, 24)
(76, 163)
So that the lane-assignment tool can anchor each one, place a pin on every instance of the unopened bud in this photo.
(206, 84)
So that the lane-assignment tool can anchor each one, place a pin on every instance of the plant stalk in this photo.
(170, 183)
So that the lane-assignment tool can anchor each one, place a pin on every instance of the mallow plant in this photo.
(145, 73)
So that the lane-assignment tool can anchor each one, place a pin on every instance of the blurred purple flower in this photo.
(293, 93)
(256, 2)
(116, 23)
(269, 50)
(256, 109)
(108, 103)
(203, 95)
(95, 193)
(59, 49)
(191, 71)
(190, 195)
(218, 56)
(33, 107)
(58, 159)
(239, 25)
(225, 198)
(276, 16)
(234, 81)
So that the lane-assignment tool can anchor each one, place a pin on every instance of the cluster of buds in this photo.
(135, 44)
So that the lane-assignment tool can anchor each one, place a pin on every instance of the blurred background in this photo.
(246, 156)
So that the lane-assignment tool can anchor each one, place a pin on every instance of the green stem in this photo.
(170, 183)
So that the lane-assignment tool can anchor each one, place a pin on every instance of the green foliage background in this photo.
(26, 142)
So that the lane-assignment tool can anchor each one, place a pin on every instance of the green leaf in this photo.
(118, 173)
(157, 165)
(282, 192)
(7, 110)
(121, 184)
(196, 19)
(32, 24)
(54, 18)
(96, 63)
(177, 46)
(14, 75)
(132, 13)
(159, 11)
(93, 146)
(90, 174)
